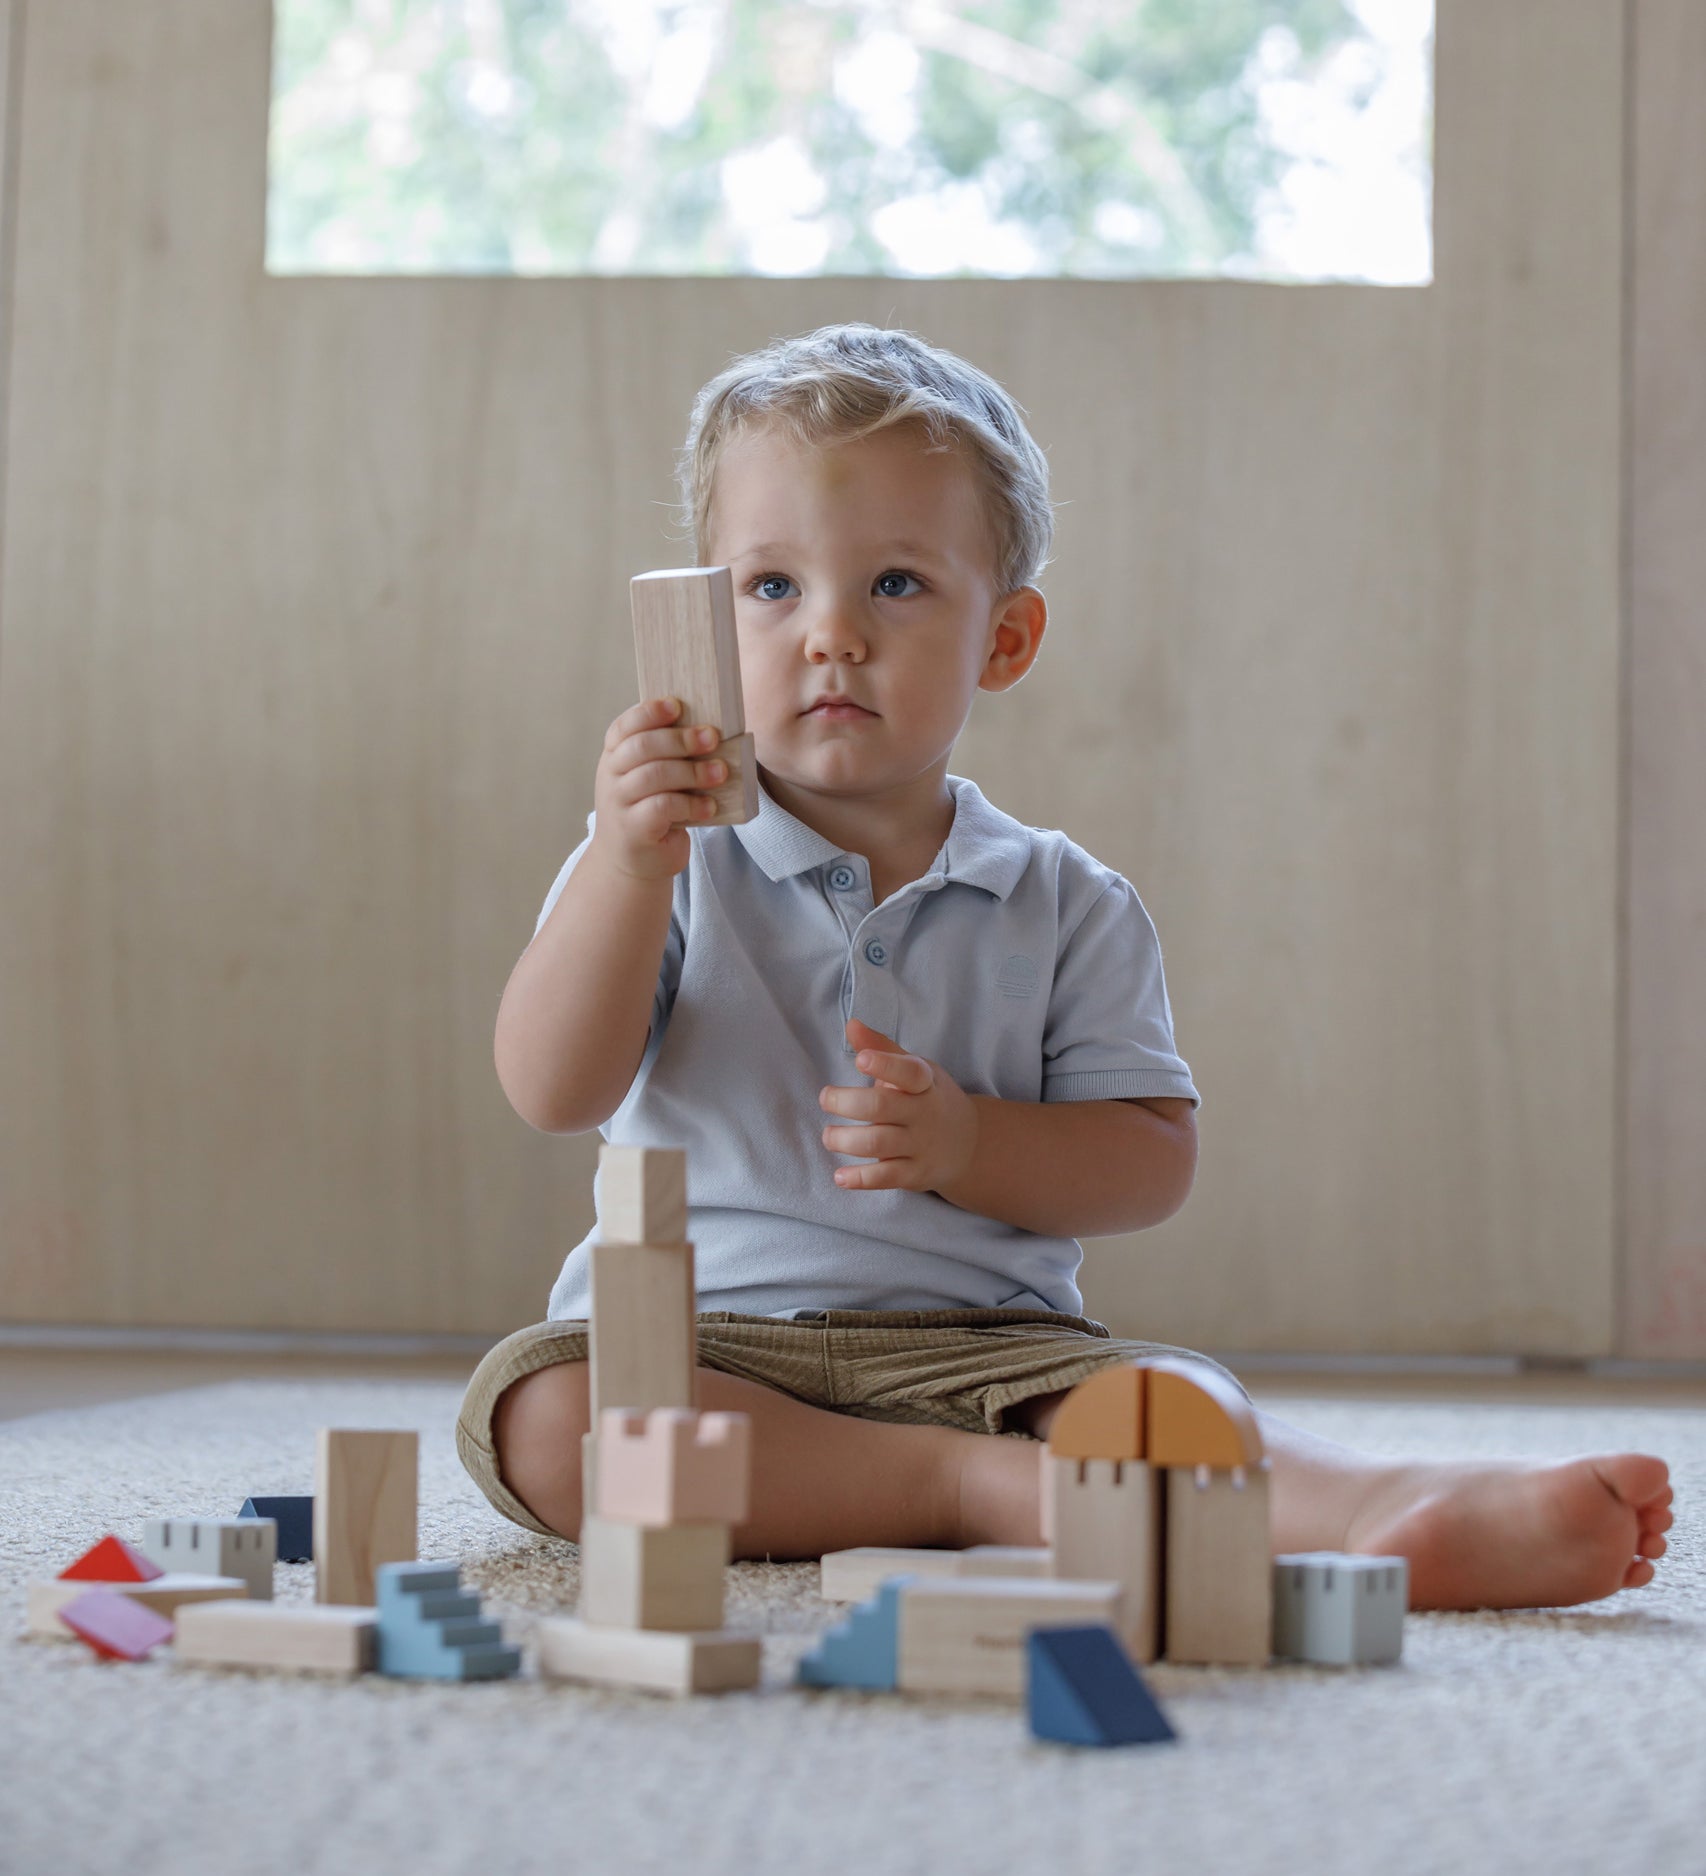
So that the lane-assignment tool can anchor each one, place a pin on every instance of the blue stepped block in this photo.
(430, 1628)
(862, 1650)
(295, 1520)
(1082, 1690)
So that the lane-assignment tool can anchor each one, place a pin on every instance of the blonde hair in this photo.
(845, 382)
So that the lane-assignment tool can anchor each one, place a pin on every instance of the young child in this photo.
(915, 1049)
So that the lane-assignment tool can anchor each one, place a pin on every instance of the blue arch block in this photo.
(1082, 1690)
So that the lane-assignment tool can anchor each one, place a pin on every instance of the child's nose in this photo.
(833, 634)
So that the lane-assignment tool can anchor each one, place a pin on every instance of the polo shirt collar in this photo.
(984, 847)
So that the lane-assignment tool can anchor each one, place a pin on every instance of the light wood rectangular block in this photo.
(165, 1595)
(656, 1660)
(642, 1195)
(685, 645)
(966, 1635)
(645, 1334)
(855, 1575)
(335, 1640)
(641, 1576)
(1011, 1560)
(365, 1508)
(1220, 1578)
(674, 1466)
(1106, 1519)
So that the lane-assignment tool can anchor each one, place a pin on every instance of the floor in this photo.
(35, 1379)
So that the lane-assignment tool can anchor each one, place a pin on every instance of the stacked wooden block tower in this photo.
(662, 1484)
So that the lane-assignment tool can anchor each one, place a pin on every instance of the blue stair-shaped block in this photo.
(1082, 1690)
(430, 1628)
(862, 1650)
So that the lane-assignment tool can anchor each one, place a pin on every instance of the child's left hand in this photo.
(923, 1129)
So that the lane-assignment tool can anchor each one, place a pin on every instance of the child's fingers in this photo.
(910, 1073)
(655, 745)
(883, 1175)
(649, 715)
(862, 1103)
(867, 1142)
(657, 815)
(659, 778)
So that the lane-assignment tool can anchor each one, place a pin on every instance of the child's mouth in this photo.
(838, 709)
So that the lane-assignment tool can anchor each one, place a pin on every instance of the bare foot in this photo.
(1518, 1535)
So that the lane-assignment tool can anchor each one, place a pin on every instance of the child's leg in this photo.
(821, 1480)
(1477, 1535)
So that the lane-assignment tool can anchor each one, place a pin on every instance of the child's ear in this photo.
(1018, 626)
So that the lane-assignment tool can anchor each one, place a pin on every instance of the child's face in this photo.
(863, 573)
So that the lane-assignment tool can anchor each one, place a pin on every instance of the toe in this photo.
(1651, 1545)
(1639, 1574)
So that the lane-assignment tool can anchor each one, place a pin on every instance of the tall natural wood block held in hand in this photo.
(365, 1509)
(685, 646)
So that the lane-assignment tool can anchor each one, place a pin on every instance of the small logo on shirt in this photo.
(1017, 977)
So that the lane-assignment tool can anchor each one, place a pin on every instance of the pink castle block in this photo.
(674, 1466)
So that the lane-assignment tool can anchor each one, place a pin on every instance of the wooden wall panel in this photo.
(316, 611)
(1664, 1119)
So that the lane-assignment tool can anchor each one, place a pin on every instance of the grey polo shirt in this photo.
(1024, 966)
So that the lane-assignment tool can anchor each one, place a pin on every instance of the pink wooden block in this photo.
(674, 1466)
(116, 1626)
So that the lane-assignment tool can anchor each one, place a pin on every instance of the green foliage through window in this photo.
(1280, 139)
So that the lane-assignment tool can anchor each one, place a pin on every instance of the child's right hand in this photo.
(641, 791)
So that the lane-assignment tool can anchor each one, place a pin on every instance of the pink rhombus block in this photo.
(673, 1466)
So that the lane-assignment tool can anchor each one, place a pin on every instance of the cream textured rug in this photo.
(1516, 1742)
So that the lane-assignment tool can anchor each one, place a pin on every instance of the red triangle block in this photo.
(115, 1625)
(112, 1560)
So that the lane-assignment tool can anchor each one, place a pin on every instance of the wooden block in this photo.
(245, 1547)
(736, 795)
(966, 1635)
(686, 644)
(365, 1509)
(1198, 1418)
(1106, 1519)
(641, 1576)
(856, 1575)
(654, 1660)
(645, 1335)
(1011, 1560)
(333, 1640)
(1220, 1581)
(642, 1195)
(1103, 1417)
(589, 1475)
(165, 1595)
(674, 1466)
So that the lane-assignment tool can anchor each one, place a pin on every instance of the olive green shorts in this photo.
(919, 1367)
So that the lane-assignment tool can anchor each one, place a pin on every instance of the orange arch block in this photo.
(1198, 1418)
(1102, 1418)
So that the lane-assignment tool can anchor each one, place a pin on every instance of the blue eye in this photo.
(896, 573)
(770, 579)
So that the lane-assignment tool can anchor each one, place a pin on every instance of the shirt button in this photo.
(843, 878)
(877, 951)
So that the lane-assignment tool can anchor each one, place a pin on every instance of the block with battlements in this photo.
(244, 1547)
(1219, 1565)
(1105, 1516)
(1338, 1609)
(674, 1466)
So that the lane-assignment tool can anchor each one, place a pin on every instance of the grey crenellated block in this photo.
(245, 1547)
(1339, 1610)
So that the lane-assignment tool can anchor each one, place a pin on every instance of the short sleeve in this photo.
(1109, 1033)
(675, 945)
